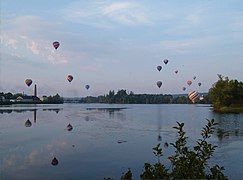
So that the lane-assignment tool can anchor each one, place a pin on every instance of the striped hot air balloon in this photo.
(193, 95)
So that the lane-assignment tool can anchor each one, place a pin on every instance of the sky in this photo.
(118, 44)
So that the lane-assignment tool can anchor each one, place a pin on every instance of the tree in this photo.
(186, 163)
(226, 92)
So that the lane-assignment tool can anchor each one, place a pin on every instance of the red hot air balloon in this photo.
(28, 82)
(69, 78)
(56, 44)
(189, 82)
(193, 96)
(159, 68)
(159, 84)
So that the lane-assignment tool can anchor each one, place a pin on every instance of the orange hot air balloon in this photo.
(69, 78)
(189, 82)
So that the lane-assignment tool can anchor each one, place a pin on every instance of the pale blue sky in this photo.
(114, 45)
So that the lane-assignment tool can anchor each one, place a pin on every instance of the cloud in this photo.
(27, 36)
(188, 45)
(106, 14)
(33, 46)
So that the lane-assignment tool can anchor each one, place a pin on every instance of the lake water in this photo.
(106, 139)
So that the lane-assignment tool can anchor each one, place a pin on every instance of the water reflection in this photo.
(69, 127)
(27, 123)
(229, 125)
(54, 161)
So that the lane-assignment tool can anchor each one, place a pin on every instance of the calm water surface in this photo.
(106, 139)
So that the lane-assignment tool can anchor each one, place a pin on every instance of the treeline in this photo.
(57, 99)
(122, 97)
(226, 93)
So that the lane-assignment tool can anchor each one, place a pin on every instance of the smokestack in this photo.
(35, 91)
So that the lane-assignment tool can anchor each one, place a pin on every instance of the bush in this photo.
(186, 163)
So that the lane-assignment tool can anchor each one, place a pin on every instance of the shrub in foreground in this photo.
(186, 163)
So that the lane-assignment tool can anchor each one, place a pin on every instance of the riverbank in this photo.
(226, 109)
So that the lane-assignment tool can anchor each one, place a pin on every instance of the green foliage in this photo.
(57, 99)
(226, 92)
(186, 163)
(122, 97)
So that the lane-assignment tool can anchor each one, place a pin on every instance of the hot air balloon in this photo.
(176, 71)
(159, 84)
(54, 161)
(159, 68)
(199, 84)
(189, 82)
(87, 86)
(193, 96)
(194, 77)
(28, 82)
(69, 127)
(56, 44)
(28, 123)
(166, 145)
(184, 88)
(70, 78)
(166, 61)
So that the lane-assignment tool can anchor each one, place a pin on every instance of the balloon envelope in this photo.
(69, 127)
(70, 78)
(28, 82)
(28, 123)
(189, 82)
(54, 161)
(166, 61)
(194, 77)
(159, 68)
(199, 84)
(56, 44)
(176, 71)
(184, 88)
(87, 86)
(193, 96)
(159, 84)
